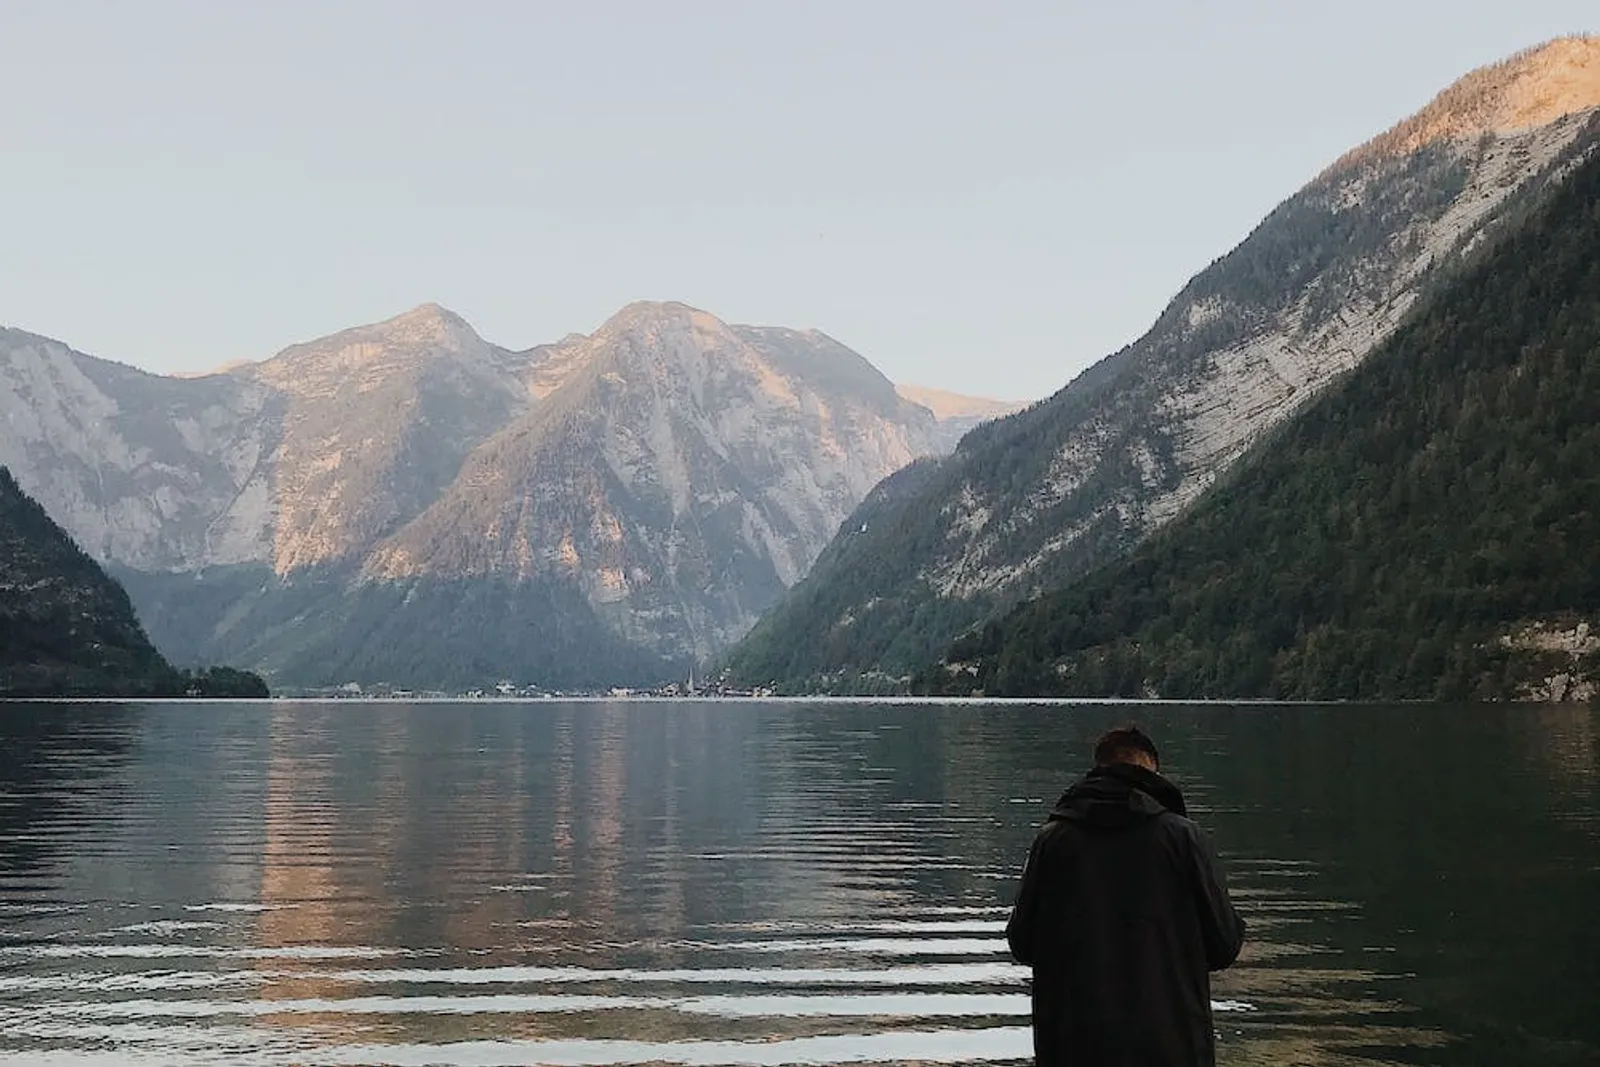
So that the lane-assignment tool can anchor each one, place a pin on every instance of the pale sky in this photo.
(985, 197)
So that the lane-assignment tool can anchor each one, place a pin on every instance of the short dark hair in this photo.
(1122, 743)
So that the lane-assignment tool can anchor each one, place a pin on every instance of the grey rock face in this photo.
(682, 480)
(375, 423)
(666, 478)
(150, 471)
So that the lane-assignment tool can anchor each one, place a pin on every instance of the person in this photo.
(1122, 914)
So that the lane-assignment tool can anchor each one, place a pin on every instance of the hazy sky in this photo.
(984, 196)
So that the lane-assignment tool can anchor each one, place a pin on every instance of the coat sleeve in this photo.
(1220, 924)
(1022, 928)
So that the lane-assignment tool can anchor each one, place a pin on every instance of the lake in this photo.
(760, 883)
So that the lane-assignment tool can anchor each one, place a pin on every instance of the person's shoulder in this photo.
(1056, 832)
(1181, 826)
(1055, 826)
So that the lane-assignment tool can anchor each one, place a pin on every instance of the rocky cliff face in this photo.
(682, 480)
(374, 424)
(148, 471)
(648, 489)
(1030, 501)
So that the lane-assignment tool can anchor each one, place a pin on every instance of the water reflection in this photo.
(726, 884)
(46, 752)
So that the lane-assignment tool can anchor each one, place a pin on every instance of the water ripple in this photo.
(698, 885)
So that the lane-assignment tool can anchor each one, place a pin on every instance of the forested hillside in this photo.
(67, 629)
(1428, 528)
(1030, 503)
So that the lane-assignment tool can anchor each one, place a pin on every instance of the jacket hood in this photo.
(1119, 795)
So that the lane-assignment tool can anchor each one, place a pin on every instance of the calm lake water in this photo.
(746, 883)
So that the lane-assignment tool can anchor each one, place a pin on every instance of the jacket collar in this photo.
(1119, 794)
(1158, 788)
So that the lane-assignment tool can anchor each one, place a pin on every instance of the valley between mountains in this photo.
(407, 504)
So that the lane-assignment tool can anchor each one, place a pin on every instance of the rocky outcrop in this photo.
(1031, 501)
(1559, 663)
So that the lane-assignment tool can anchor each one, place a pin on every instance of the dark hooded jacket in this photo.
(1122, 914)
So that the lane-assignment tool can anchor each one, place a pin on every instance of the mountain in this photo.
(373, 423)
(956, 413)
(66, 629)
(307, 458)
(147, 471)
(1427, 528)
(683, 480)
(1032, 501)
(406, 502)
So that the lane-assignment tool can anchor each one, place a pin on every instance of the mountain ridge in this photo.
(948, 405)
(234, 504)
(1030, 501)
(1530, 88)
(646, 422)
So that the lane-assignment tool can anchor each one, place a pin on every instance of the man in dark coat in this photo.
(1122, 914)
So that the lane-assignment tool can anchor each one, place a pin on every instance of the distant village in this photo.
(507, 690)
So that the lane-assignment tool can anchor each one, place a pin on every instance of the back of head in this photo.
(1127, 744)
(1125, 789)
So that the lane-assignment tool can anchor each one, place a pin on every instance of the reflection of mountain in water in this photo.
(44, 750)
(747, 883)
(305, 899)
